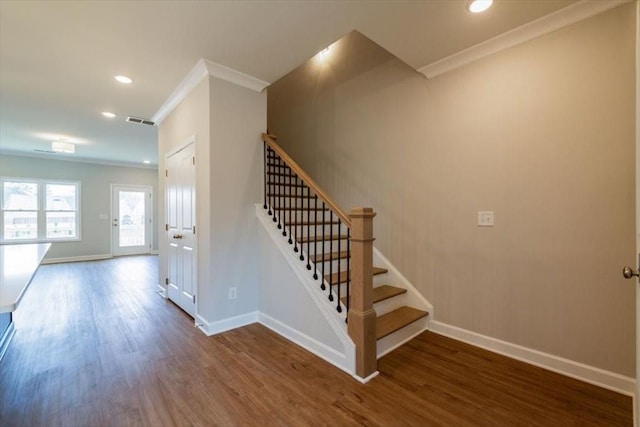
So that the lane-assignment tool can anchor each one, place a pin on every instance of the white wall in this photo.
(227, 121)
(96, 180)
(238, 116)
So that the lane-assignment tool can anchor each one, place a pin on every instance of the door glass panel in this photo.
(132, 218)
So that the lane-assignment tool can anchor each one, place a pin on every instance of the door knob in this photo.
(177, 236)
(629, 272)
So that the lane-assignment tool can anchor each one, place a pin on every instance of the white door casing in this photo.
(181, 228)
(131, 219)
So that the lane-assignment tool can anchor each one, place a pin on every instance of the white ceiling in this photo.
(57, 58)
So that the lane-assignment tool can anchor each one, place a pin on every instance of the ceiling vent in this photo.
(140, 121)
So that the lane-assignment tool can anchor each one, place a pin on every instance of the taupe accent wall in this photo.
(542, 134)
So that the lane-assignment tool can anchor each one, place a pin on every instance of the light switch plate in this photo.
(485, 219)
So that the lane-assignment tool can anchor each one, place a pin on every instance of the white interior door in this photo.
(181, 228)
(131, 219)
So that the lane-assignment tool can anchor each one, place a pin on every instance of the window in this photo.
(38, 210)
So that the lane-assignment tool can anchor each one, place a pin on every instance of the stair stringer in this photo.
(412, 298)
(342, 357)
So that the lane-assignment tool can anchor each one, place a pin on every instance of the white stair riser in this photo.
(393, 340)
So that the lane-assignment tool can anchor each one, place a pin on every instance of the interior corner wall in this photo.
(189, 119)
(542, 134)
(238, 117)
(95, 198)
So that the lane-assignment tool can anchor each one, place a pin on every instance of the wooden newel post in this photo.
(362, 317)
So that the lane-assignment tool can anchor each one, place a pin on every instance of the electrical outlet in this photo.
(233, 293)
(485, 219)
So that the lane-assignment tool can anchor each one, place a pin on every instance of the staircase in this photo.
(337, 253)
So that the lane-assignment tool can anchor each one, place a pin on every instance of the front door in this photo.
(181, 228)
(131, 219)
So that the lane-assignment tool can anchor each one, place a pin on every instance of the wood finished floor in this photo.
(96, 346)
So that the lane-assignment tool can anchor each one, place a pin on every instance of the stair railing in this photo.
(297, 203)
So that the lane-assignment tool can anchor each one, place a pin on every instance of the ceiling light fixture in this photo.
(108, 115)
(478, 6)
(63, 147)
(146, 162)
(124, 79)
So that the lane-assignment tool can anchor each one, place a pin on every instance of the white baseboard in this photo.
(217, 327)
(162, 291)
(154, 252)
(330, 355)
(596, 376)
(76, 258)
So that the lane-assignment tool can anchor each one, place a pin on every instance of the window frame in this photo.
(41, 211)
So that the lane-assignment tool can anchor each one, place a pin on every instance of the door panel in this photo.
(131, 223)
(180, 196)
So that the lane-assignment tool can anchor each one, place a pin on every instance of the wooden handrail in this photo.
(307, 179)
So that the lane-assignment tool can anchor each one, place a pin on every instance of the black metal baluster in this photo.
(348, 268)
(264, 187)
(301, 220)
(339, 272)
(308, 228)
(280, 191)
(270, 169)
(322, 286)
(331, 256)
(295, 218)
(315, 236)
(291, 212)
(287, 206)
(276, 186)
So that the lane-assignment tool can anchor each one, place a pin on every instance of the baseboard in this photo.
(596, 376)
(330, 355)
(162, 291)
(5, 340)
(97, 257)
(154, 252)
(217, 327)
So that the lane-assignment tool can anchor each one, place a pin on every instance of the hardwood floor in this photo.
(96, 346)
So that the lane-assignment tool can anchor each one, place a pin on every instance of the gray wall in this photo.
(542, 134)
(96, 180)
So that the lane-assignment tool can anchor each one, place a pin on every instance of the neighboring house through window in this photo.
(39, 210)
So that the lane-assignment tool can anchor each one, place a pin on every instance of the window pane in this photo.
(20, 225)
(132, 218)
(61, 225)
(61, 197)
(20, 196)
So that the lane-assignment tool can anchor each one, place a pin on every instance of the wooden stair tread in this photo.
(329, 256)
(326, 238)
(396, 320)
(382, 293)
(341, 276)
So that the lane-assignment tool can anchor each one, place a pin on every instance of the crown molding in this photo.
(204, 68)
(564, 17)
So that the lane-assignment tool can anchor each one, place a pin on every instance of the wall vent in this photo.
(140, 121)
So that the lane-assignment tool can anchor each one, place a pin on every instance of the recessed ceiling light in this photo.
(123, 79)
(477, 6)
(146, 162)
(108, 114)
